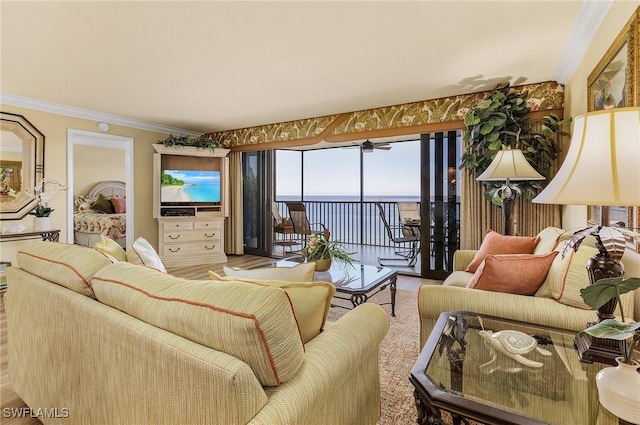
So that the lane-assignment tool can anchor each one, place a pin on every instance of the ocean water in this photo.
(203, 192)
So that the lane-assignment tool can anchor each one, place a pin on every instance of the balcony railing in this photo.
(354, 222)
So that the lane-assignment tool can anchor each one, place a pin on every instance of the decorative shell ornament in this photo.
(513, 344)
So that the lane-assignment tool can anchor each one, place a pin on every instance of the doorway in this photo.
(84, 144)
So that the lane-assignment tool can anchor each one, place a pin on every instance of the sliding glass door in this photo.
(440, 202)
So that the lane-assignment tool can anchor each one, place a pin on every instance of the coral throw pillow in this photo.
(495, 243)
(520, 274)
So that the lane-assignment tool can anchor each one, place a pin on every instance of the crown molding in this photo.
(71, 111)
(591, 15)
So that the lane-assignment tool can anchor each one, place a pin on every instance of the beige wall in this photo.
(54, 127)
(93, 165)
(576, 88)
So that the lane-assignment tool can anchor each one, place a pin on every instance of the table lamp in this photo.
(602, 167)
(508, 165)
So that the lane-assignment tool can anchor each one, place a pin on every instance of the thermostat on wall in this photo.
(103, 126)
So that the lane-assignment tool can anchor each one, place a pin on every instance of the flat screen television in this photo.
(189, 187)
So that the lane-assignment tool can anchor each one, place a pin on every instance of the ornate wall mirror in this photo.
(21, 165)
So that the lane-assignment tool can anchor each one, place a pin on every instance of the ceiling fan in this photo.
(369, 146)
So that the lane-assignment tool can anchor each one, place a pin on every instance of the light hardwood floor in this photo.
(10, 400)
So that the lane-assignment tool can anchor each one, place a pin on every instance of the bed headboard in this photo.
(109, 188)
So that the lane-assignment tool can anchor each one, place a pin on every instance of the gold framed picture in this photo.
(613, 83)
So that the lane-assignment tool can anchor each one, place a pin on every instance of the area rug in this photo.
(398, 353)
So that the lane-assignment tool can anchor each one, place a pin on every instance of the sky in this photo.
(394, 172)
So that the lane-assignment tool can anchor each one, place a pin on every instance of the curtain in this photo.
(233, 225)
(478, 214)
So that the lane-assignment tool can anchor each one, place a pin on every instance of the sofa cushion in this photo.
(520, 274)
(567, 276)
(495, 243)
(311, 301)
(458, 278)
(141, 253)
(549, 237)
(111, 248)
(71, 266)
(302, 272)
(254, 323)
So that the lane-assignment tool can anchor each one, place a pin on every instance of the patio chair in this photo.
(301, 225)
(409, 254)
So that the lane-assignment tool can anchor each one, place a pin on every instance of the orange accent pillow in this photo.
(521, 274)
(495, 243)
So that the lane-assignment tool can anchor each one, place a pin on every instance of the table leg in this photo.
(392, 288)
(357, 299)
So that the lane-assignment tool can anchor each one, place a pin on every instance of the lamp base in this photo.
(591, 349)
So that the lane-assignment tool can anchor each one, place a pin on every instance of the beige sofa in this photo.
(119, 343)
(550, 306)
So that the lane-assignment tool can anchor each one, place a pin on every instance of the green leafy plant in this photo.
(627, 333)
(497, 123)
(320, 247)
(200, 142)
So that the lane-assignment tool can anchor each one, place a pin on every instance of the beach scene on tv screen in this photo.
(190, 186)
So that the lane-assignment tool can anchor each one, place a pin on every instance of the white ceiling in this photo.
(210, 66)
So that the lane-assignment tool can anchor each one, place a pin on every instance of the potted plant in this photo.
(42, 211)
(200, 142)
(617, 386)
(322, 250)
(497, 123)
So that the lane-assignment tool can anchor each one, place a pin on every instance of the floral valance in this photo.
(407, 118)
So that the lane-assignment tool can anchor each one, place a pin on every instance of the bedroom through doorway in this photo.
(99, 163)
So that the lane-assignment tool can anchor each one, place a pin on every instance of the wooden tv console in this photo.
(187, 234)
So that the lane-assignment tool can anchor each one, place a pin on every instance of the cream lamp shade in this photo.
(509, 164)
(602, 166)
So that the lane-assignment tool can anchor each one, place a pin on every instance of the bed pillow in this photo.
(520, 274)
(111, 248)
(142, 253)
(119, 205)
(103, 204)
(495, 243)
(83, 203)
(302, 272)
(310, 300)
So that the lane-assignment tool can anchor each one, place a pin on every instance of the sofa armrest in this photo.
(462, 258)
(434, 300)
(342, 360)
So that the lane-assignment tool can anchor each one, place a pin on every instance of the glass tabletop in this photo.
(505, 369)
(352, 278)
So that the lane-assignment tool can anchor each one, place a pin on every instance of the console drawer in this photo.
(203, 236)
(200, 225)
(194, 248)
(168, 226)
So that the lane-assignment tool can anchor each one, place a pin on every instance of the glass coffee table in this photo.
(355, 283)
(461, 377)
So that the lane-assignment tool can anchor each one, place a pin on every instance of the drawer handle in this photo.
(176, 250)
(210, 248)
(174, 237)
(209, 236)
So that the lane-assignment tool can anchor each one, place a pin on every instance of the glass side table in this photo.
(459, 373)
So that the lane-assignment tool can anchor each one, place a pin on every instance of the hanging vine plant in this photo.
(499, 122)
